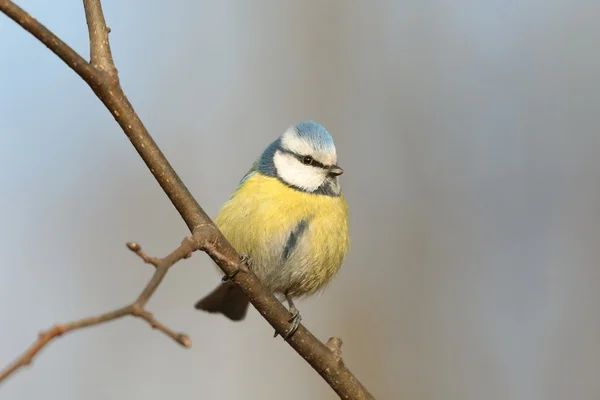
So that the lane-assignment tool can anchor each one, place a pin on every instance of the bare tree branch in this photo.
(100, 54)
(135, 309)
(101, 77)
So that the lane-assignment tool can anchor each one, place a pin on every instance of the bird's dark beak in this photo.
(334, 170)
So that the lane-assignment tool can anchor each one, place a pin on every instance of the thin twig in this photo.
(207, 236)
(188, 246)
(137, 249)
(136, 309)
(54, 332)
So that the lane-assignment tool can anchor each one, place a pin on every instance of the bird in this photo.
(288, 219)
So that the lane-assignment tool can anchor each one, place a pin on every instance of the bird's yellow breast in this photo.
(259, 219)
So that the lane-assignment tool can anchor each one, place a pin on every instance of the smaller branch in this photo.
(136, 309)
(100, 54)
(54, 332)
(147, 316)
(50, 40)
(335, 345)
(137, 249)
(184, 251)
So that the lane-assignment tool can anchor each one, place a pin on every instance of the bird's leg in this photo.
(294, 319)
(245, 265)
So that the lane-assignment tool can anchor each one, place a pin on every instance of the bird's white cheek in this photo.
(293, 172)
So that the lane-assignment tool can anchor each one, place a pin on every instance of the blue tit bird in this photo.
(289, 218)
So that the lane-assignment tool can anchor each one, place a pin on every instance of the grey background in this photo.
(468, 132)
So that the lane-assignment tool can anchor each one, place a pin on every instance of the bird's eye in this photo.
(307, 160)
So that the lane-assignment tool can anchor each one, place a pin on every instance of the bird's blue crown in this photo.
(316, 135)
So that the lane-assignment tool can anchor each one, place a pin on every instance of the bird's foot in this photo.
(294, 320)
(246, 260)
(244, 265)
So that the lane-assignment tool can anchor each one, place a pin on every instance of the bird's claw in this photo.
(244, 265)
(246, 260)
(295, 321)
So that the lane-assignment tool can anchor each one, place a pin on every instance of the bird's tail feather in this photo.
(226, 299)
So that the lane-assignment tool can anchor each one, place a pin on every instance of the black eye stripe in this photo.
(314, 162)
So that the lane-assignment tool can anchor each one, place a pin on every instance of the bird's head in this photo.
(304, 158)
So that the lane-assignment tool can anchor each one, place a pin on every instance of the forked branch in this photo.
(135, 309)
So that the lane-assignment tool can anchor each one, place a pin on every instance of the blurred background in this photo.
(468, 132)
